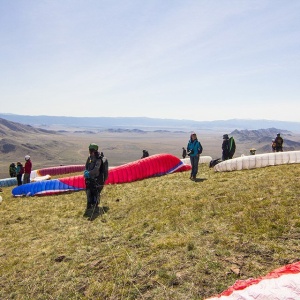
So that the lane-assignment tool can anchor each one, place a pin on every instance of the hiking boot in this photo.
(87, 212)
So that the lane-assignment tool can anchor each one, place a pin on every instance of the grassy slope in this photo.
(160, 238)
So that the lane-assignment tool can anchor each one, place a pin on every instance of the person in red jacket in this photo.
(27, 169)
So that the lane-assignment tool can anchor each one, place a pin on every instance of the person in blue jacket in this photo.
(194, 149)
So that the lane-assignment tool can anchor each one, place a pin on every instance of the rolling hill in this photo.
(121, 145)
(263, 138)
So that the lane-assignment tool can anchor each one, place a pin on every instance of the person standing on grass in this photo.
(279, 143)
(194, 149)
(93, 180)
(27, 169)
(12, 170)
(20, 171)
(225, 147)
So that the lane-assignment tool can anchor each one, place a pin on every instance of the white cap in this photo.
(27, 157)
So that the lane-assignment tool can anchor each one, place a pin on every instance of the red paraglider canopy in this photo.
(282, 283)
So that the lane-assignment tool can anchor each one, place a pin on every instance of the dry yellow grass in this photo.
(159, 238)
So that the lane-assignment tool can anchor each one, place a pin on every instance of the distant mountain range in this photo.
(144, 123)
(260, 135)
(49, 146)
(263, 138)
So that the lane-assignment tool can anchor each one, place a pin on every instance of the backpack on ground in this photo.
(214, 162)
(231, 147)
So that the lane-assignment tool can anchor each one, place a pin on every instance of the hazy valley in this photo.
(66, 144)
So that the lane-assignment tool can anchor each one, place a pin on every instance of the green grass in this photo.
(159, 238)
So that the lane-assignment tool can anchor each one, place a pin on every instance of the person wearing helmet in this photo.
(27, 169)
(279, 143)
(93, 182)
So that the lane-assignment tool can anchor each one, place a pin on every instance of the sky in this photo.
(200, 60)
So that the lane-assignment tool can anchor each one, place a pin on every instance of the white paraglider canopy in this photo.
(258, 161)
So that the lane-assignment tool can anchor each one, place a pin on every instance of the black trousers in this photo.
(19, 179)
(93, 191)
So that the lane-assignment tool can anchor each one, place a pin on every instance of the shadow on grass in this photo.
(92, 214)
(200, 179)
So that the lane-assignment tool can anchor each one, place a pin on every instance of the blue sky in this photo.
(190, 59)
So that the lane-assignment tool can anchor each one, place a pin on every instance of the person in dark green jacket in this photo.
(12, 170)
(93, 181)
